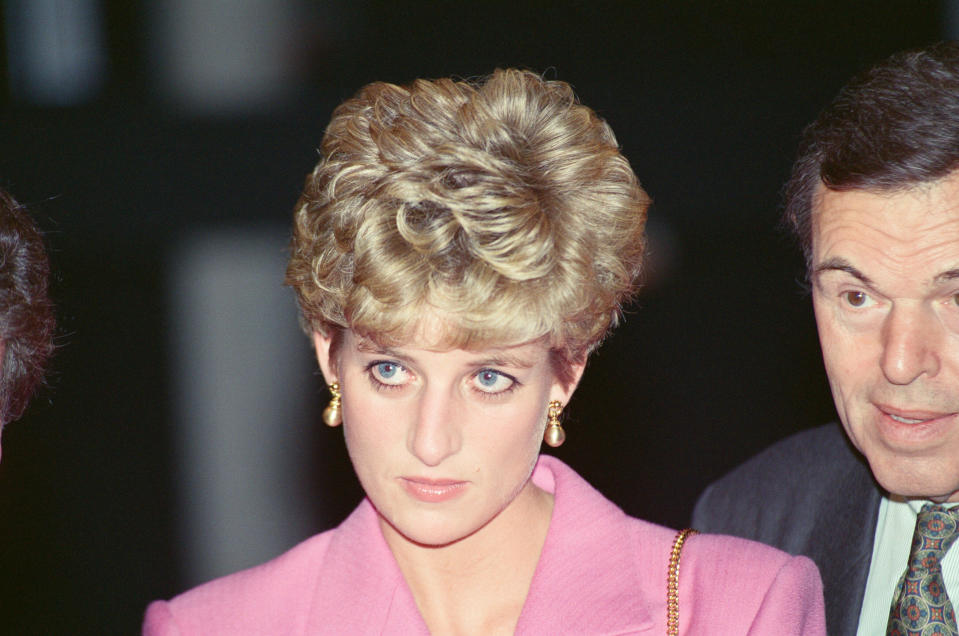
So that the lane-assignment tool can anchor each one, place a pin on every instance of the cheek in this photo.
(528, 437)
(510, 436)
(851, 359)
(833, 335)
(367, 429)
(848, 354)
(846, 372)
(511, 453)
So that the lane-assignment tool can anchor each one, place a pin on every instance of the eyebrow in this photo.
(836, 264)
(948, 275)
(842, 265)
(500, 359)
(506, 360)
(368, 346)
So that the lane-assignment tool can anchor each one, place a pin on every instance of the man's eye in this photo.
(856, 298)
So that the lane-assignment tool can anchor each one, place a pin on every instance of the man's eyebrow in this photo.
(946, 276)
(837, 264)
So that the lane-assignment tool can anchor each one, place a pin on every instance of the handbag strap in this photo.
(672, 582)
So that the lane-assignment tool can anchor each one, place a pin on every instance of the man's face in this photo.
(885, 274)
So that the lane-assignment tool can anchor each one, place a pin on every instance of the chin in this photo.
(919, 479)
(434, 539)
(436, 534)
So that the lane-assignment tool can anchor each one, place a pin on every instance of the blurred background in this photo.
(161, 147)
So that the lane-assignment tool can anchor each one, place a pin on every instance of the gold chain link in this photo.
(672, 582)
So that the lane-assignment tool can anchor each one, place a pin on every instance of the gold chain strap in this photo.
(672, 582)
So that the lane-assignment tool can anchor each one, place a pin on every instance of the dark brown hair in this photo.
(891, 128)
(26, 313)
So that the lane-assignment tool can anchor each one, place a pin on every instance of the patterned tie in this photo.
(921, 606)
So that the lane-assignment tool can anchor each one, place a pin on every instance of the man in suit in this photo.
(874, 201)
(26, 313)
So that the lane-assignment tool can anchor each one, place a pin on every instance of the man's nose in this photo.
(912, 335)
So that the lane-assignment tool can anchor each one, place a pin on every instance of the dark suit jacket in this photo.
(810, 494)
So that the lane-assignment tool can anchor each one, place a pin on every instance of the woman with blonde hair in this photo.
(458, 252)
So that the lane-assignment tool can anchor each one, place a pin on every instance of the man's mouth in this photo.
(905, 420)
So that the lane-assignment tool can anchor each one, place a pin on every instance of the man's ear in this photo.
(321, 343)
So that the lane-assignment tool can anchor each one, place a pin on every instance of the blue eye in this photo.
(387, 373)
(487, 378)
(386, 370)
(492, 381)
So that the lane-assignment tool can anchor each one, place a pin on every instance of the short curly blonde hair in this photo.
(503, 206)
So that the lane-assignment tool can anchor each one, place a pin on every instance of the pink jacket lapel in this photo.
(587, 580)
(362, 590)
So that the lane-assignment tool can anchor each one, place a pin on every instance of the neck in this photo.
(479, 583)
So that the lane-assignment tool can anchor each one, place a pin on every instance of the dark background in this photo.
(718, 358)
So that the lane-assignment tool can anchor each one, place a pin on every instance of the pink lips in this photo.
(433, 490)
(913, 414)
(913, 425)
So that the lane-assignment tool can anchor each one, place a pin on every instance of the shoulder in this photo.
(735, 582)
(710, 560)
(805, 453)
(798, 474)
(717, 557)
(728, 584)
(265, 599)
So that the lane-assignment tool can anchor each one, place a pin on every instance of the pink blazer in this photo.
(601, 572)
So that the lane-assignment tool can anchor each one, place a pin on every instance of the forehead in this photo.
(439, 333)
(426, 327)
(525, 355)
(909, 233)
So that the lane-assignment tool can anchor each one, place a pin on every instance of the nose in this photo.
(436, 434)
(911, 339)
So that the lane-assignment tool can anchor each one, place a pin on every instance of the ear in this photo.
(565, 393)
(322, 344)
